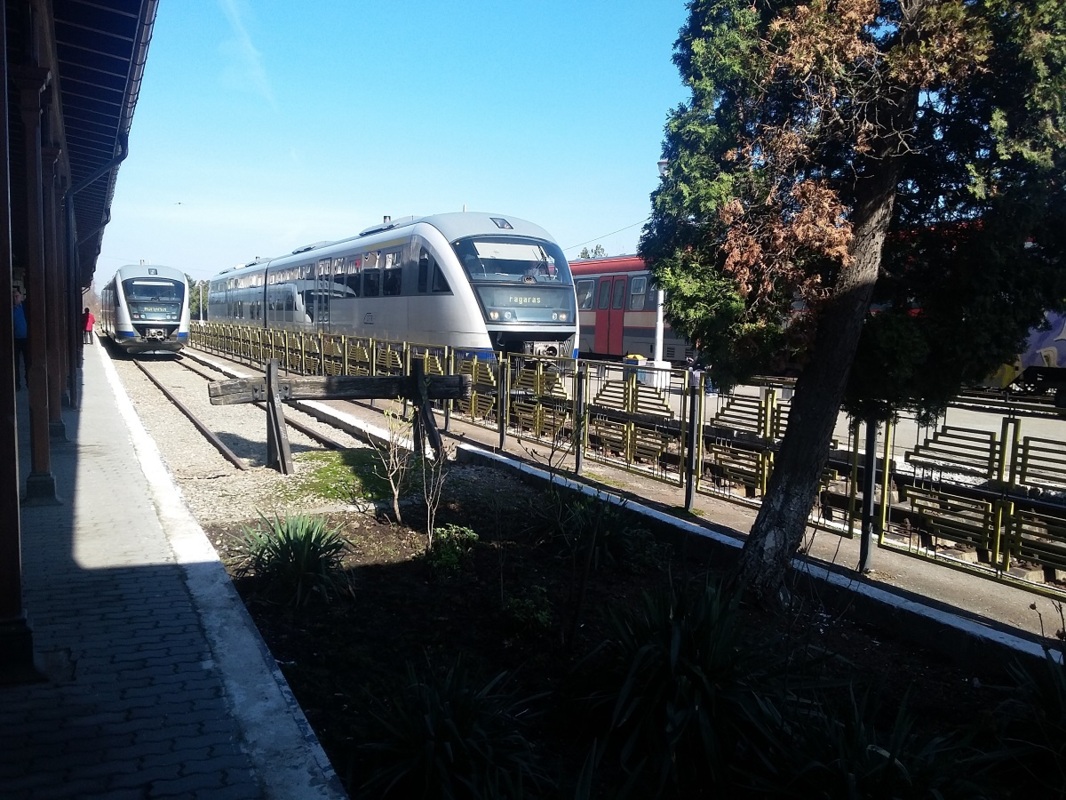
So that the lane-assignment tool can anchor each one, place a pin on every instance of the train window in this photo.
(393, 283)
(440, 283)
(371, 282)
(637, 289)
(604, 299)
(619, 294)
(424, 262)
(507, 260)
(353, 278)
(585, 293)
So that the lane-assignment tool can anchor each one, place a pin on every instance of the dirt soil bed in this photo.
(515, 604)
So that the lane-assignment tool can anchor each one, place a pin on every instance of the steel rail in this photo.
(322, 438)
(228, 454)
(308, 431)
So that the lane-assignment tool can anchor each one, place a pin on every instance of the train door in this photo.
(319, 307)
(610, 315)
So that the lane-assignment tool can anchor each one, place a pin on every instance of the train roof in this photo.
(460, 224)
(452, 226)
(595, 266)
(149, 271)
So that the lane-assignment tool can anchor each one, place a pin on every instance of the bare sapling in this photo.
(395, 457)
(434, 472)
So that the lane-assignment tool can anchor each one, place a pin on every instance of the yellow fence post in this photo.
(766, 412)
(853, 478)
(1000, 556)
(1008, 456)
(886, 481)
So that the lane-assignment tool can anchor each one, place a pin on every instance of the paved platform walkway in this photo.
(155, 682)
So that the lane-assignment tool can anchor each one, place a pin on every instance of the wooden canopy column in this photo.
(57, 295)
(31, 83)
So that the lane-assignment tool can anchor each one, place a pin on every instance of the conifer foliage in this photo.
(838, 153)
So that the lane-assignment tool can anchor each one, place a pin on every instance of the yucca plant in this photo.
(297, 558)
(1032, 736)
(837, 750)
(447, 735)
(683, 696)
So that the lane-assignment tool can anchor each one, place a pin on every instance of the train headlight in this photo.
(559, 316)
(494, 316)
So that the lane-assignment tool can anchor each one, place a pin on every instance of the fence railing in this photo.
(967, 494)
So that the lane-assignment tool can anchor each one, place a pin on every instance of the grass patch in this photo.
(344, 475)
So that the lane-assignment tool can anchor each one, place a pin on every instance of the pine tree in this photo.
(838, 148)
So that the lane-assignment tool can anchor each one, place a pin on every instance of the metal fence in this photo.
(973, 496)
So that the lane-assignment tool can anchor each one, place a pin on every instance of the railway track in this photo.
(317, 433)
(217, 443)
(1008, 405)
(237, 435)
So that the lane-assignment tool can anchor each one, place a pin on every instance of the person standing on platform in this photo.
(87, 322)
(21, 332)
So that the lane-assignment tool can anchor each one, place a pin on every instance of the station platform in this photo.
(154, 682)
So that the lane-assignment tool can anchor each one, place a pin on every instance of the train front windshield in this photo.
(519, 280)
(154, 299)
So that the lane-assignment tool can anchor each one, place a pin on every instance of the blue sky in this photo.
(265, 125)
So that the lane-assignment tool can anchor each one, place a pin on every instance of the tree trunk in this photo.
(793, 487)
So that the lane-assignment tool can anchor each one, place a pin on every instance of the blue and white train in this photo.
(145, 309)
(478, 283)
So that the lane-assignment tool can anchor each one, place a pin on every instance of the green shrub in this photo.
(297, 558)
(449, 736)
(529, 612)
(451, 546)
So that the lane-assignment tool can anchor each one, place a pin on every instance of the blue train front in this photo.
(145, 309)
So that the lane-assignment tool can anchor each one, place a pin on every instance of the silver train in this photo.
(145, 309)
(478, 283)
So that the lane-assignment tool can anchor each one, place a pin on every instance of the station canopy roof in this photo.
(99, 58)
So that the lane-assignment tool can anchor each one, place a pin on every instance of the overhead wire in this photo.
(604, 236)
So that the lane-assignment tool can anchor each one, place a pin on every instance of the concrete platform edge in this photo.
(277, 734)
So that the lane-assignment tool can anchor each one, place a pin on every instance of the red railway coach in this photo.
(617, 309)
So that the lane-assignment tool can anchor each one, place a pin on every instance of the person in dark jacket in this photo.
(21, 331)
